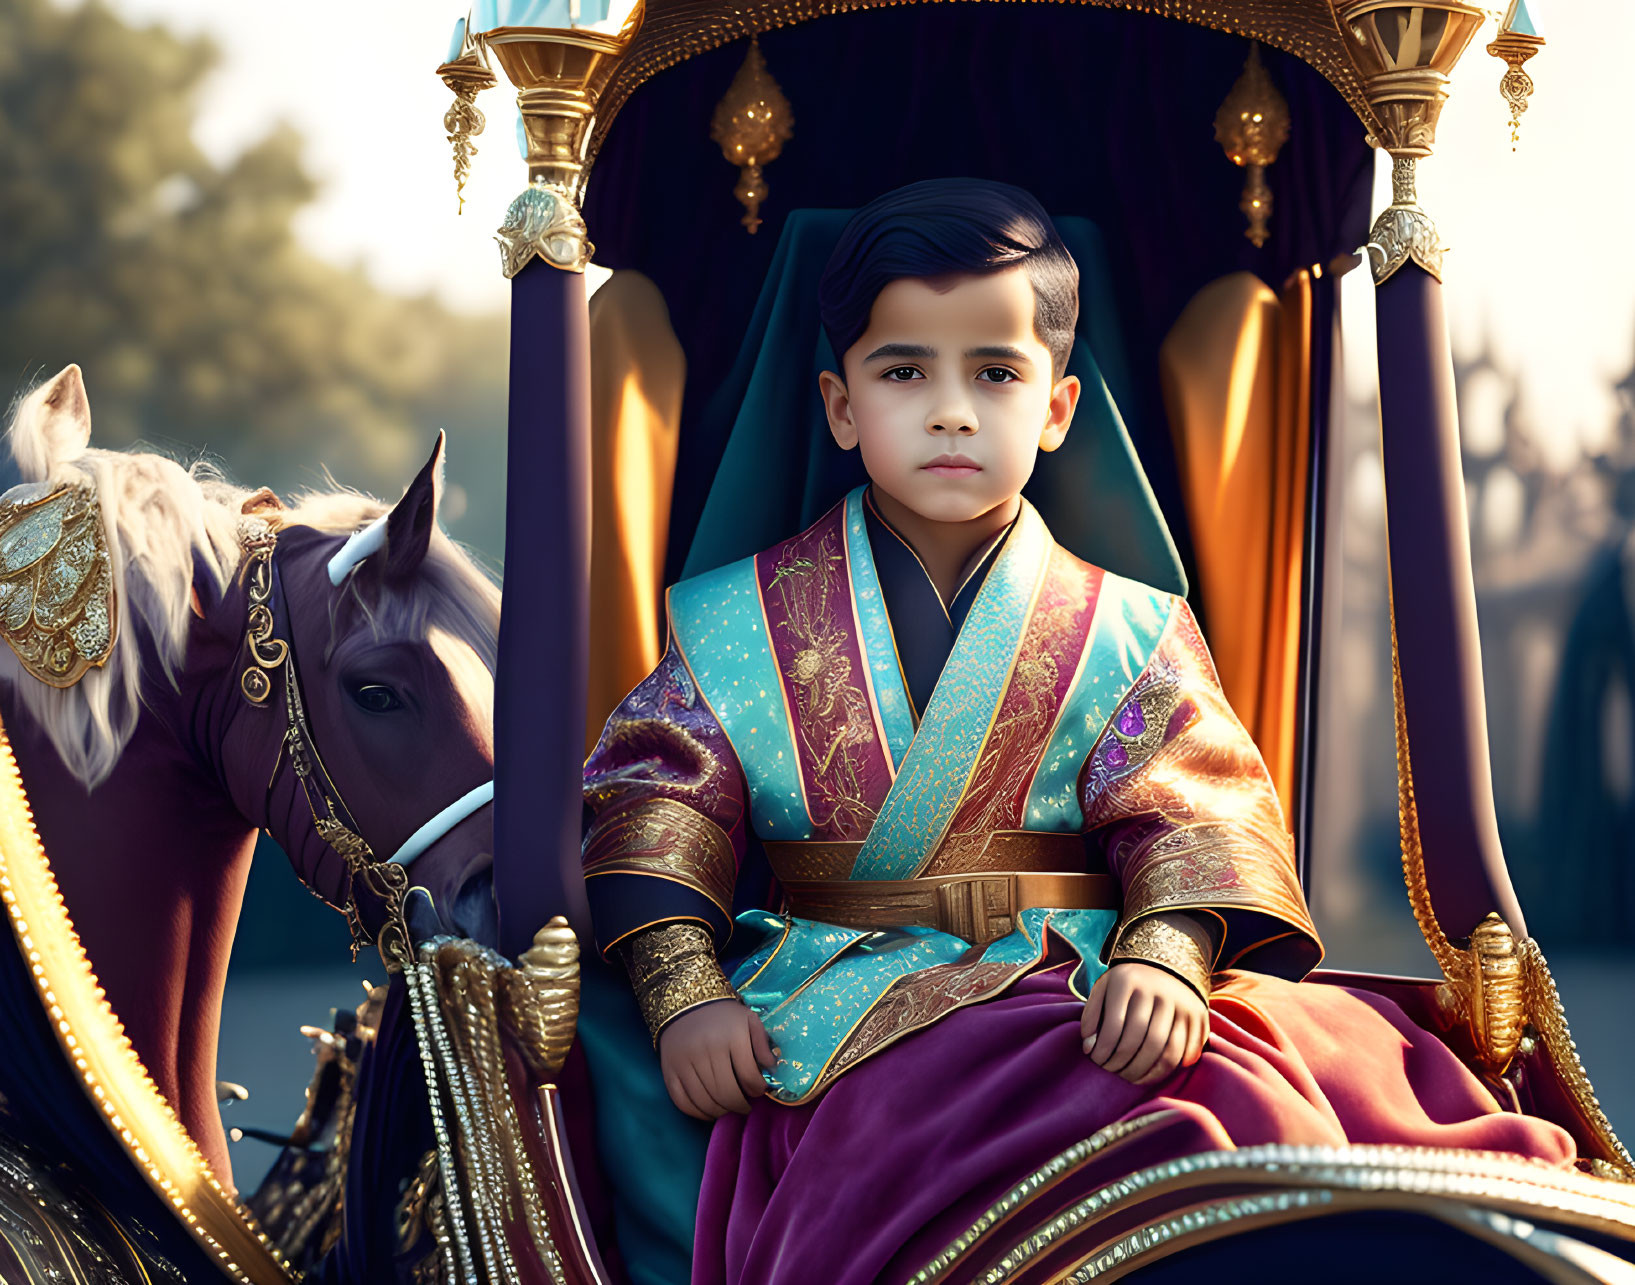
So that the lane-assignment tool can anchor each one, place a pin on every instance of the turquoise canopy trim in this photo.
(810, 1022)
(719, 627)
(781, 469)
(954, 727)
(1130, 620)
(882, 669)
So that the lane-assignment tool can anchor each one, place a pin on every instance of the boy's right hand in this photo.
(712, 1058)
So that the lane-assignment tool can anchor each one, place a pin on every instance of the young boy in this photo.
(1007, 806)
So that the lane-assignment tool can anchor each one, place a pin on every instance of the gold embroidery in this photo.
(833, 719)
(997, 789)
(672, 969)
(668, 839)
(913, 1003)
(1155, 941)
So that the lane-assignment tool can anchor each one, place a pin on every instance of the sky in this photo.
(1539, 262)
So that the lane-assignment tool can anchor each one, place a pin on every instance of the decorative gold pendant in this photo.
(1251, 126)
(1517, 41)
(58, 608)
(752, 122)
(467, 74)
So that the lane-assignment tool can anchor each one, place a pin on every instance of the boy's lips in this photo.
(952, 466)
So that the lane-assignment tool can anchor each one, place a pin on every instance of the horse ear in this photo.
(53, 425)
(411, 522)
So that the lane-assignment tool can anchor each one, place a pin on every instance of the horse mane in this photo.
(169, 526)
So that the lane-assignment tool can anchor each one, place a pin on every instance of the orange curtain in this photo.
(1236, 371)
(637, 372)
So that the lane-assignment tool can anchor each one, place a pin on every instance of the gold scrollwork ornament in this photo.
(543, 222)
(267, 653)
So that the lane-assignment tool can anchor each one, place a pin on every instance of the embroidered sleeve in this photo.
(1176, 795)
(664, 801)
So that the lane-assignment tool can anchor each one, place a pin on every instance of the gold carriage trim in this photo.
(1499, 989)
(672, 33)
(661, 838)
(1274, 1178)
(95, 1044)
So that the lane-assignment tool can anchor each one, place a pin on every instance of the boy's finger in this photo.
(1153, 1045)
(1169, 1059)
(678, 1096)
(1137, 1017)
(1092, 1012)
(745, 1068)
(1198, 1035)
(724, 1082)
(703, 1105)
(761, 1043)
(1109, 1029)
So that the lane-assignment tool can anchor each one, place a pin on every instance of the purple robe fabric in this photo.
(904, 1152)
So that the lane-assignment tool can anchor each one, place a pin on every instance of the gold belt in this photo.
(976, 907)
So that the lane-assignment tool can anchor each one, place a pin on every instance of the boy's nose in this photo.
(951, 418)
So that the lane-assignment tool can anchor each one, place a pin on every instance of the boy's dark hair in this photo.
(941, 227)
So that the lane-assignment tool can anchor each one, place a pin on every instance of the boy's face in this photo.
(949, 394)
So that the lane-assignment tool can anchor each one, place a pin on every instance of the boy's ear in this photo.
(837, 405)
(1064, 400)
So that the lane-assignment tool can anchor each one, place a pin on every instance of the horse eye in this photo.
(377, 698)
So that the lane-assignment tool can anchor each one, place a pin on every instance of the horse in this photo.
(321, 671)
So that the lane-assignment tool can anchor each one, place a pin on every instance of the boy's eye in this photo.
(998, 375)
(901, 374)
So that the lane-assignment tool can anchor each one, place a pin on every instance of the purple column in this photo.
(539, 706)
(1435, 605)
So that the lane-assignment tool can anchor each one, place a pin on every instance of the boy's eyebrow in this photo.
(1001, 352)
(913, 352)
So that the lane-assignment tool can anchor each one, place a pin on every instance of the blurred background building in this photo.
(241, 222)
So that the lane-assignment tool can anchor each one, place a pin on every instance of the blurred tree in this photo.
(201, 323)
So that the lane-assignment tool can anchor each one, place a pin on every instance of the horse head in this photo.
(391, 635)
(257, 647)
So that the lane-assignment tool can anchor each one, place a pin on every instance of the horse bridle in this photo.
(387, 880)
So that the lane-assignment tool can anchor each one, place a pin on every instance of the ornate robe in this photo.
(1075, 771)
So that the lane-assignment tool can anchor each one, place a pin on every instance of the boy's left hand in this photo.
(1141, 1022)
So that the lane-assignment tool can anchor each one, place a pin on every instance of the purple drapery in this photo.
(1434, 602)
(539, 707)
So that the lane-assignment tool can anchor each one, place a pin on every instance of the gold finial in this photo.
(560, 73)
(752, 122)
(1404, 54)
(1251, 126)
(467, 74)
(1517, 41)
(539, 1001)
